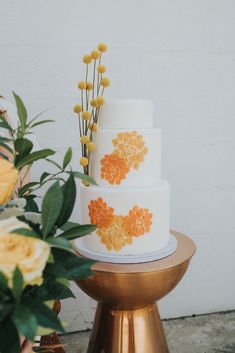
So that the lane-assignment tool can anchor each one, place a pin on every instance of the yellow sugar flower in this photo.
(87, 59)
(131, 147)
(77, 108)
(8, 180)
(84, 161)
(86, 115)
(95, 54)
(91, 146)
(84, 139)
(105, 82)
(82, 85)
(89, 86)
(101, 69)
(114, 236)
(93, 103)
(102, 47)
(93, 127)
(100, 101)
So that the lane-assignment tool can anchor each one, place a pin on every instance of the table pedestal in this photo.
(127, 318)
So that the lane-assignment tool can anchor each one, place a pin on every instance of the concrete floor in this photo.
(214, 333)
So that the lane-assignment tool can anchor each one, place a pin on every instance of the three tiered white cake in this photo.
(131, 204)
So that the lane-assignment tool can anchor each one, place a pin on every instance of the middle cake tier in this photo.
(127, 158)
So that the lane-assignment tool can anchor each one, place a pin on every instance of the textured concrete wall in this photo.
(181, 54)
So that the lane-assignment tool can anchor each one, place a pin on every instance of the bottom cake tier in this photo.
(130, 222)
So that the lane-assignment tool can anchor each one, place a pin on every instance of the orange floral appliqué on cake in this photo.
(138, 221)
(129, 152)
(116, 231)
(99, 212)
(115, 235)
(131, 147)
(113, 169)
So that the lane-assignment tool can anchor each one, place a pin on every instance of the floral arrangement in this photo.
(92, 99)
(36, 257)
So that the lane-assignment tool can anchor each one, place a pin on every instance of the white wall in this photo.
(181, 54)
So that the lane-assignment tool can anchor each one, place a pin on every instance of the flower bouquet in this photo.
(36, 256)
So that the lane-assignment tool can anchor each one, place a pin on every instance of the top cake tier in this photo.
(127, 114)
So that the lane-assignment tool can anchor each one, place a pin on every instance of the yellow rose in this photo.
(8, 180)
(28, 253)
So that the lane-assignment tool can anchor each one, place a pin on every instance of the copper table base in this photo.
(127, 318)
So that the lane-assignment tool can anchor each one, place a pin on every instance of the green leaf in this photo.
(51, 207)
(23, 147)
(18, 282)
(82, 176)
(46, 317)
(69, 195)
(25, 321)
(5, 139)
(59, 243)
(78, 231)
(34, 156)
(7, 147)
(4, 124)
(3, 281)
(68, 225)
(44, 176)
(9, 337)
(26, 232)
(67, 157)
(21, 110)
(54, 163)
(26, 188)
(31, 205)
(42, 122)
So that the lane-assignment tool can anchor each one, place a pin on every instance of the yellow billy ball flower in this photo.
(93, 103)
(89, 86)
(93, 127)
(85, 182)
(95, 54)
(101, 69)
(100, 101)
(84, 139)
(102, 47)
(82, 85)
(105, 82)
(87, 59)
(77, 108)
(86, 115)
(84, 161)
(91, 146)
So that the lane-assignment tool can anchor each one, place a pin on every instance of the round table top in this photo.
(185, 250)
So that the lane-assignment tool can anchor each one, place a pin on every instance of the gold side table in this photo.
(127, 318)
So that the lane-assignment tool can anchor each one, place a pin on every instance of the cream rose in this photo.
(8, 180)
(29, 254)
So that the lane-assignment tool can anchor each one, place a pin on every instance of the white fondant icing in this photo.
(156, 199)
(149, 171)
(126, 114)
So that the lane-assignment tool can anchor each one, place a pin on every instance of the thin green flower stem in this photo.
(86, 83)
(93, 89)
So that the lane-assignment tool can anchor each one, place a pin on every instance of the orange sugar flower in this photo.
(131, 147)
(113, 169)
(138, 221)
(99, 212)
(115, 235)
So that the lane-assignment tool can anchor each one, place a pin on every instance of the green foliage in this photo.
(51, 207)
(23, 308)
